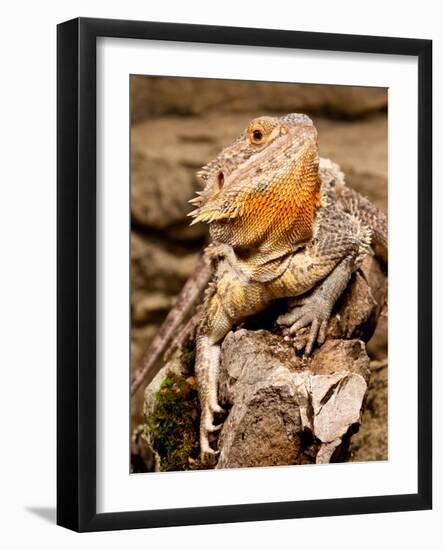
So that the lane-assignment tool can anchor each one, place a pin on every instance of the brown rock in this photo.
(158, 271)
(286, 410)
(173, 367)
(140, 338)
(144, 457)
(360, 308)
(156, 268)
(159, 192)
(192, 96)
(371, 442)
(360, 148)
(149, 308)
(378, 344)
(292, 410)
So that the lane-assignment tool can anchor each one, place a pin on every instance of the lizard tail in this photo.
(370, 215)
(190, 293)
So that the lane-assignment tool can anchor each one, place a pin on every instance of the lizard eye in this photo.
(262, 130)
(257, 136)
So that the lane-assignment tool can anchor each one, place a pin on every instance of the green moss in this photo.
(173, 425)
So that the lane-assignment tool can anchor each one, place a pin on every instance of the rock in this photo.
(165, 155)
(337, 388)
(378, 344)
(159, 192)
(173, 367)
(360, 148)
(285, 411)
(158, 271)
(141, 337)
(156, 267)
(291, 410)
(148, 308)
(360, 307)
(143, 456)
(192, 96)
(171, 417)
(371, 442)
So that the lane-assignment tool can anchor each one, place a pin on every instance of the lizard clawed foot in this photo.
(313, 310)
(207, 426)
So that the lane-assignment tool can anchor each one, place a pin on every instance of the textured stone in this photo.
(148, 308)
(371, 442)
(157, 268)
(286, 410)
(174, 367)
(193, 96)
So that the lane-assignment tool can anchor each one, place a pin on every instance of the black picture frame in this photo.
(76, 280)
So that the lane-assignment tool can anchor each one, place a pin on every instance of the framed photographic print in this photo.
(244, 230)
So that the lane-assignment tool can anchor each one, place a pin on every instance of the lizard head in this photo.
(264, 187)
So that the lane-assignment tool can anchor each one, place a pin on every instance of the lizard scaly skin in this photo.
(281, 226)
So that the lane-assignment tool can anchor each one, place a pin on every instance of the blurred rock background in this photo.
(179, 124)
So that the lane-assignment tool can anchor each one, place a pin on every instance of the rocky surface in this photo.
(187, 96)
(284, 408)
(177, 129)
(371, 442)
(291, 410)
(284, 411)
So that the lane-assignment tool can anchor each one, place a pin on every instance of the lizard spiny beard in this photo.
(268, 199)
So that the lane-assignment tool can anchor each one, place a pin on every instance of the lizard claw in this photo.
(216, 409)
(208, 456)
(207, 426)
(314, 311)
(213, 427)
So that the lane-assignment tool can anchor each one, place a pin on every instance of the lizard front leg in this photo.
(214, 327)
(233, 299)
(206, 369)
(315, 309)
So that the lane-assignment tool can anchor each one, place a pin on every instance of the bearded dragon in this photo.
(282, 224)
